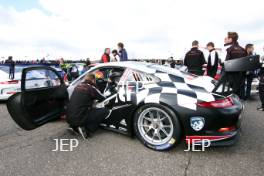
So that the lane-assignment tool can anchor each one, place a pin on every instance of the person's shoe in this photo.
(260, 109)
(73, 130)
(82, 132)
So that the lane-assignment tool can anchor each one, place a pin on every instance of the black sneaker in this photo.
(82, 132)
(260, 109)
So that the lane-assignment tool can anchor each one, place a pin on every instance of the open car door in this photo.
(42, 98)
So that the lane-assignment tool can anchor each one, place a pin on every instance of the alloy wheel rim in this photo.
(155, 126)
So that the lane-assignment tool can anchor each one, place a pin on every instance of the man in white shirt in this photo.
(212, 61)
(115, 57)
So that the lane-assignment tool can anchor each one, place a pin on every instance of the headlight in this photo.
(197, 123)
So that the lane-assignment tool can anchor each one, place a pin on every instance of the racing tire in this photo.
(157, 127)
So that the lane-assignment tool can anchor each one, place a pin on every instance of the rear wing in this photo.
(249, 63)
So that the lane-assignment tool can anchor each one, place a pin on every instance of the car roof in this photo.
(145, 67)
(140, 66)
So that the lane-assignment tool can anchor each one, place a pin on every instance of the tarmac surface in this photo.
(29, 153)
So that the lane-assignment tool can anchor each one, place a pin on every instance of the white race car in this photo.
(9, 87)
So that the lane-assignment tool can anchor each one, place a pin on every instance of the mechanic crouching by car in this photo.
(81, 115)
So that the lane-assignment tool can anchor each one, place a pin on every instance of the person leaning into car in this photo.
(81, 115)
(194, 59)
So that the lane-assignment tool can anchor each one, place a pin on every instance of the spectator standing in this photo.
(122, 52)
(115, 56)
(261, 85)
(194, 59)
(250, 74)
(106, 56)
(172, 62)
(87, 65)
(87, 62)
(212, 61)
(235, 51)
(11, 64)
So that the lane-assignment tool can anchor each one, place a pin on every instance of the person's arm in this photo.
(117, 58)
(185, 60)
(203, 59)
(125, 55)
(213, 57)
(228, 56)
(121, 55)
(97, 95)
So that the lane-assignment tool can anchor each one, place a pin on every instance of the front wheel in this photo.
(157, 127)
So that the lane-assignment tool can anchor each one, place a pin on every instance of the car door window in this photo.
(36, 79)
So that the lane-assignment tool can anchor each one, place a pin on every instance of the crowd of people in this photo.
(39, 61)
(118, 55)
(240, 81)
(194, 60)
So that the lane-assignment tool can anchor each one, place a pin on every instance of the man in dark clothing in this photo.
(106, 56)
(11, 64)
(81, 115)
(194, 59)
(261, 85)
(213, 59)
(172, 62)
(122, 52)
(235, 51)
(250, 74)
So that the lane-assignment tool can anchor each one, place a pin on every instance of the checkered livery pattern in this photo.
(175, 90)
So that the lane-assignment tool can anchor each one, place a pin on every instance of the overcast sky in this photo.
(148, 28)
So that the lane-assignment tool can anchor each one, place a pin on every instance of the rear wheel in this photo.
(157, 127)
